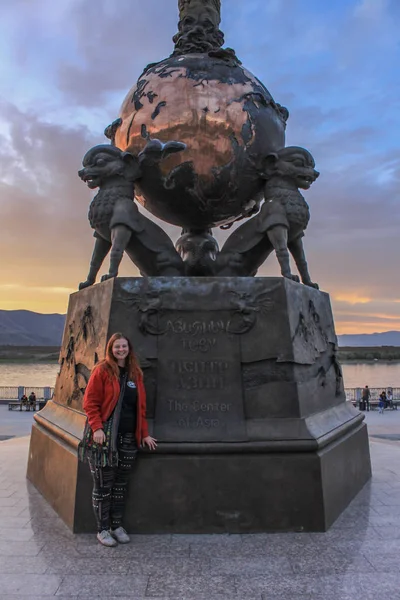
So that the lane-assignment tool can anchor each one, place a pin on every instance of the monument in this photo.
(244, 390)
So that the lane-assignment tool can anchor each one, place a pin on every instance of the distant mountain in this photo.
(386, 338)
(26, 328)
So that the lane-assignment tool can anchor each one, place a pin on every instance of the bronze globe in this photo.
(201, 96)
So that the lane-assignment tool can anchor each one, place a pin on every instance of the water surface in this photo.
(374, 374)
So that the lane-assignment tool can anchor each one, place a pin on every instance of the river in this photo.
(374, 374)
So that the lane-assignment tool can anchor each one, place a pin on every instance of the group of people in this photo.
(385, 399)
(28, 402)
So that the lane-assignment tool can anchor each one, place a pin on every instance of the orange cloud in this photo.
(352, 298)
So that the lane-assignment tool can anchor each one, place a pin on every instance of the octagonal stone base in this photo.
(245, 397)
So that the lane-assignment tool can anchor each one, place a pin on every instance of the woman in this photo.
(115, 405)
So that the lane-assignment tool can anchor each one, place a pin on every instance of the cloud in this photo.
(43, 203)
(120, 44)
(352, 298)
(334, 64)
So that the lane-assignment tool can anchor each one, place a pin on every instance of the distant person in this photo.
(384, 398)
(23, 401)
(389, 396)
(382, 402)
(32, 401)
(366, 396)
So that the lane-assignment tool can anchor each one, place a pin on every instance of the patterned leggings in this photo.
(110, 484)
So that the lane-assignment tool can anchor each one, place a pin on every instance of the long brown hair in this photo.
(110, 363)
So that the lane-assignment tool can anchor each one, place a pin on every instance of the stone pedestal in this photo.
(245, 397)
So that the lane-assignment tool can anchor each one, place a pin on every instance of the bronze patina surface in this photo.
(202, 96)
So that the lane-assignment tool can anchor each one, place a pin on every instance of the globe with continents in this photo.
(229, 123)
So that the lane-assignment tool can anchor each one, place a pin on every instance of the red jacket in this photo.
(101, 397)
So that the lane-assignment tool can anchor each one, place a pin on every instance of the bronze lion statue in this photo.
(279, 225)
(119, 226)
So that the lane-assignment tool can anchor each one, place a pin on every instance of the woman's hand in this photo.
(150, 442)
(99, 436)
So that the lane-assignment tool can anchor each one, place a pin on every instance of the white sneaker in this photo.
(120, 535)
(106, 538)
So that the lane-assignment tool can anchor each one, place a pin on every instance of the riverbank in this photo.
(346, 354)
(29, 354)
(369, 354)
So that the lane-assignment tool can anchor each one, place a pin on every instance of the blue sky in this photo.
(67, 66)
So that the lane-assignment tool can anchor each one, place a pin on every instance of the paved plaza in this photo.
(357, 558)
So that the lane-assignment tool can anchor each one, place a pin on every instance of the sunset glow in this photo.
(60, 87)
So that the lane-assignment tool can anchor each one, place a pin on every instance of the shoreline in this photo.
(29, 354)
(345, 355)
(365, 361)
(50, 359)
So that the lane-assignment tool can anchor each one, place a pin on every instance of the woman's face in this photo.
(120, 349)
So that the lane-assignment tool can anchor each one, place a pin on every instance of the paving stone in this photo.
(389, 532)
(57, 547)
(12, 511)
(358, 585)
(29, 585)
(86, 585)
(249, 566)
(11, 522)
(194, 539)
(104, 565)
(7, 493)
(16, 535)
(43, 526)
(18, 597)
(328, 562)
(191, 586)
(44, 511)
(284, 596)
(161, 566)
(384, 561)
(10, 501)
(25, 565)
(367, 548)
(271, 586)
(333, 536)
(215, 551)
(384, 520)
(18, 549)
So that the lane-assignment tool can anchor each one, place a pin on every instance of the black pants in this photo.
(110, 484)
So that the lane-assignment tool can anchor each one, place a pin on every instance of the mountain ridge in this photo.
(28, 328)
(369, 340)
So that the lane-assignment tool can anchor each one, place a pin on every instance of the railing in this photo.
(354, 394)
(14, 393)
(45, 393)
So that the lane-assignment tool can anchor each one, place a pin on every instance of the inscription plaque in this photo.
(200, 396)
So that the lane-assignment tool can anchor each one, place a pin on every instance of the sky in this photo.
(66, 67)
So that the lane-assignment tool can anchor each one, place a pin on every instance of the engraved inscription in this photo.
(200, 386)
(198, 423)
(196, 406)
(194, 328)
(203, 345)
(201, 382)
(200, 374)
(199, 366)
